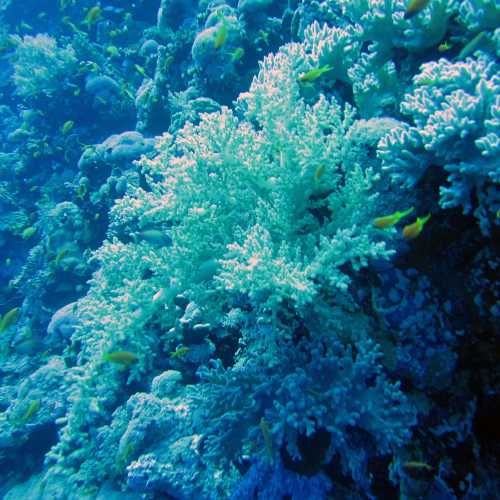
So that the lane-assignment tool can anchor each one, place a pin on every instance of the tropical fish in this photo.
(60, 256)
(25, 26)
(160, 294)
(124, 358)
(9, 318)
(221, 34)
(67, 21)
(445, 46)
(237, 54)
(411, 231)
(153, 237)
(416, 465)
(314, 74)
(99, 99)
(391, 220)
(206, 270)
(28, 232)
(140, 70)
(93, 15)
(264, 35)
(25, 346)
(418, 470)
(67, 126)
(127, 91)
(319, 172)
(30, 411)
(414, 7)
(179, 352)
(470, 47)
(112, 51)
(81, 190)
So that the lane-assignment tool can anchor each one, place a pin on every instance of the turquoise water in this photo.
(249, 249)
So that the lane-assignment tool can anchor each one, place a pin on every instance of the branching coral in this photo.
(262, 204)
(316, 387)
(268, 198)
(478, 15)
(41, 66)
(456, 125)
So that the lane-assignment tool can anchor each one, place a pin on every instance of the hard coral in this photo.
(455, 110)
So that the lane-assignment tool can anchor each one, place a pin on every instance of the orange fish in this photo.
(390, 220)
(411, 231)
(414, 7)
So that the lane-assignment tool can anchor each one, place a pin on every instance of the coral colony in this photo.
(250, 249)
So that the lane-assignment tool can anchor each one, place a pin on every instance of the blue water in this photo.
(249, 249)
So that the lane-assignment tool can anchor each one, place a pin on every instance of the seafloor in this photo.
(249, 249)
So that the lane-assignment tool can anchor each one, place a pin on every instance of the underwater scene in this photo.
(250, 249)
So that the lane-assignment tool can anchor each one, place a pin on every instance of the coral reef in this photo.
(250, 249)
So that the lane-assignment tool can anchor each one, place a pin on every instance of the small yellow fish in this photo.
(9, 318)
(470, 47)
(67, 21)
(60, 256)
(411, 231)
(237, 54)
(99, 99)
(221, 34)
(30, 411)
(416, 465)
(314, 74)
(93, 15)
(25, 26)
(390, 220)
(414, 7)
(319, 172)
(264, 35)
(124, 358)
(28, 232)
(140, 70)
(445, 46)
(126, 91)
(418, 470)
(179, 352)
(67, 126)
(81, 190)
(112, 51)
